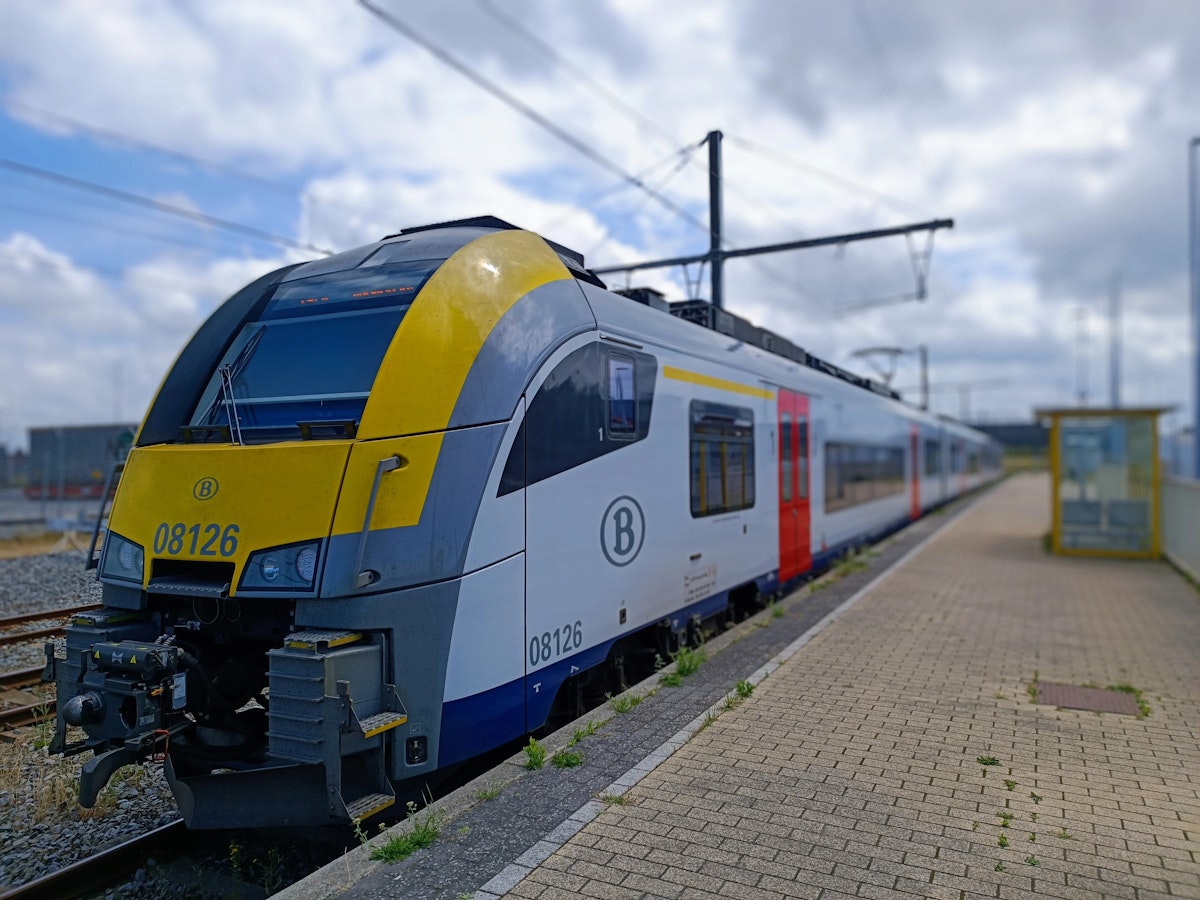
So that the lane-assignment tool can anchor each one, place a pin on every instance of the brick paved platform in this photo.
(898, 753)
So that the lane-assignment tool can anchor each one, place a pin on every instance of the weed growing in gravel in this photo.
(744, 688)
(671, 679)
(566, 759)
(1137, 694)
(624, 702)
(1032, 861)
(776, 610)
(850, 563)
(1036, 798)
(616, 799)
(535, 755)
(586, 731)
(687, 660)
(986, 761)
(490, 791)
(709, 718)
(426, 829)
(1065, 835)
(43, 727)
(999, 867)
(1032, 687)
(1005, 818)
(1009, 783)
(1003, 840)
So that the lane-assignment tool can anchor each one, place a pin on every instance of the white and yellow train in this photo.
(397, 507)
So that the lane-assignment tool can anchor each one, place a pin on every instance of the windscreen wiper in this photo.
(228, 373)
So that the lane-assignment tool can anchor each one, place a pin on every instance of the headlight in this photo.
(290, 568)
(123, 559)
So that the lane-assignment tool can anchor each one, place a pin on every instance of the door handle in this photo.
(366, 576)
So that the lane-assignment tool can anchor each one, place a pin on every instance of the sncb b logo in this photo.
(206, 488)
(622, 531)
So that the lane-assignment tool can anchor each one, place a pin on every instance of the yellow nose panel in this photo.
(220, 503)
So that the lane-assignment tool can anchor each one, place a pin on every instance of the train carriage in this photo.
(395, 508)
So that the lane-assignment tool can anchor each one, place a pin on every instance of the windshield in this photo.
(306, 366)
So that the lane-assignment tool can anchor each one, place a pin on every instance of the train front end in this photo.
(288, 538)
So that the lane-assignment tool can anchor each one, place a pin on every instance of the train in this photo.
(394, 508)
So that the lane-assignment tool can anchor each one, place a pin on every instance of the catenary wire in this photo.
(109, 273)
(109, 227)
(280, 187)
(526, 110)
(159, 206)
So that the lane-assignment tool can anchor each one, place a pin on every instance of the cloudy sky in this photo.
(155, 156)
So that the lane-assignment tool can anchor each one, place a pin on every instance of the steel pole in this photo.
(715, 259)
(1195, 306)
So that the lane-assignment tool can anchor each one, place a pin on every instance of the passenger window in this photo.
(722, 458)
(622, 396)
(802, 448)
(785, 456)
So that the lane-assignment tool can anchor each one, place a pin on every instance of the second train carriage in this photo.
(397, 507)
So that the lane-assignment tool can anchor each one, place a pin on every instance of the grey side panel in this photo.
(419, 623)
(524, 338)
(436, 547)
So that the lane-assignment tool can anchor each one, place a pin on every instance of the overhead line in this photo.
(786, 245)
(159, 206)
(824, 174)
(526, 110)
(110, 273)
(280, 187)
(610, 96)
(106, 226)
(129, 140)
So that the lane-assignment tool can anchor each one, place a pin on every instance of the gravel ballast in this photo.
(42, 827)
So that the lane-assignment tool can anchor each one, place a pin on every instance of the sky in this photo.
(156, 156)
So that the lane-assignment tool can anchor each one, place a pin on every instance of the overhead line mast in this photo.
(716, 256)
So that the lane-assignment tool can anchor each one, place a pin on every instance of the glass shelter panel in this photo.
(1106, 484)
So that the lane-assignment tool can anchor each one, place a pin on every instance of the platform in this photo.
(895, 749)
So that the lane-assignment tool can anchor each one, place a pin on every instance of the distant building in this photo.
(74, 460)
(1020, 437)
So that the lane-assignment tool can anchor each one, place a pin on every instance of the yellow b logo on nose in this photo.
(206, 488)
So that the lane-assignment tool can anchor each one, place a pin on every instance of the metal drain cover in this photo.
(1069, 696)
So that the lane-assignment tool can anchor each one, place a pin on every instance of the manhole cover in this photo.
(1069, 696)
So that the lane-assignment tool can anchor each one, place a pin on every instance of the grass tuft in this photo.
(566, 759)
(426, 829)
(623, 703)
(535, 755)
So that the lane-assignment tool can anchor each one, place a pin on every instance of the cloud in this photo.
(1054, 134)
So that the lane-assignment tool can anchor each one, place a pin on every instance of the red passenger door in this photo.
(795, 549)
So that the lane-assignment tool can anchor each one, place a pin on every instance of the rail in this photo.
(101, 869)
(16, 637)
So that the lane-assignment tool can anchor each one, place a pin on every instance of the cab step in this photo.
(381, 722)
(368, 805)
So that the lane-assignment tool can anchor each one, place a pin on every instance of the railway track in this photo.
(17, 714)
(8, 636)
(101, 869)
(20, 678)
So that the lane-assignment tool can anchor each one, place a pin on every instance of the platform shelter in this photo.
(1105, 481)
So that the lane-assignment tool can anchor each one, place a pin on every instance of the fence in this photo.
(1180, 510)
